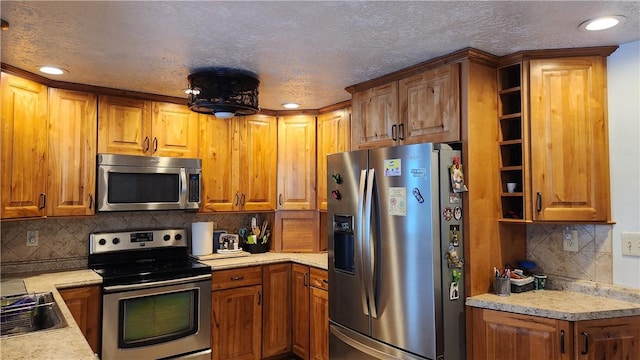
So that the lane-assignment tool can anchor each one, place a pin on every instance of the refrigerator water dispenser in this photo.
(343, 243)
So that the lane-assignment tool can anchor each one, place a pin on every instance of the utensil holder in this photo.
(502, 286)
(256, 248)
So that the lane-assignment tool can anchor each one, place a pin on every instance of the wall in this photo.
(64, 242)
(624, 151)
(600, 256)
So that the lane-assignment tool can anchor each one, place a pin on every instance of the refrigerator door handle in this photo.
(369, 257)
(359, 242)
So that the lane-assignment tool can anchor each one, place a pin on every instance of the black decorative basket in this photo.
(256, 248)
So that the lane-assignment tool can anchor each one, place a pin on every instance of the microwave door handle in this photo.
(369, 250)
(183, 188)
(359, 242)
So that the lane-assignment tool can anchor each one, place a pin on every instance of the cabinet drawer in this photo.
(319, 278)
(233, 278)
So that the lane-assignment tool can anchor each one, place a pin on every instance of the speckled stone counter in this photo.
(68, 342)
(557, 304)
(64, 343)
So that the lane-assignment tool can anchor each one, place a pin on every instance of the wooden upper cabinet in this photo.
(569, 139)
(297, 162)
(430, 106)
(140, 127)
(375, 113)
(238, 163)
(420, 108)
(175, 131)
(24, 146)
(333, 137)
(124, 126)
(71, 153)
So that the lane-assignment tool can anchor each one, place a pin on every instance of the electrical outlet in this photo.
(630, 244)
(32, 238)
(570, 239)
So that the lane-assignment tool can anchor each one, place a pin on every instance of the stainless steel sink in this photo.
(29, 313)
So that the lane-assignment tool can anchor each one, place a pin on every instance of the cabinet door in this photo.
(124, 126)
(319, 324)
(611, 339)
(24, 146)
(276, 310)
(296, 231)
(334, 136)
(220, 168)
(236, 323)
(375, 117)
(71, 153)
(501, 335)
(297, 162)
(258, 162)
(84, 303)
(430, 106)
(569, 148)
(300, 309)
(175, 131)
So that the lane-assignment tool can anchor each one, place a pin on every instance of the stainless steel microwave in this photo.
(127, 182)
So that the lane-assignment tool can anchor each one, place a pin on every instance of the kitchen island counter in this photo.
(63, 343)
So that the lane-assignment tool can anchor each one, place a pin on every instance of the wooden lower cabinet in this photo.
(236, 314)
(310, 308)
(318, 321)
(503, 335)
(84, 303)
(276, 310)
(300, 310)
(616, 338)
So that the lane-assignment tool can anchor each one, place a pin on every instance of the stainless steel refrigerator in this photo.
(395, 253)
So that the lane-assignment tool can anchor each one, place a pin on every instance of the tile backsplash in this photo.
(63, 243)
(592, 262)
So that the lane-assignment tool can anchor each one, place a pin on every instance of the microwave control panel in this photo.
(194, 187)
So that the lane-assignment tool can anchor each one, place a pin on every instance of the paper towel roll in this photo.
(202, 238)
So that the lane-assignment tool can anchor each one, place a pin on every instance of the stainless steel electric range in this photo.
(156, 300)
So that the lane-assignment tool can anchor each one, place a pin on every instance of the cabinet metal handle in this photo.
(146, 143)
(237, 199)
(155, 144)
(90, 200)
(244, 197)
(539, 201)
(304, 280)
(562, 341)
(43, 201)
(401, 132)
(280, 199)
(585, 349)
(235, 278)
(325, 281)
(259, 297)
(394, 135)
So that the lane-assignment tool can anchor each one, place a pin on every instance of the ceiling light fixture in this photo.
(602, 23)
(290, 105)
(52, 70)
(223, 92)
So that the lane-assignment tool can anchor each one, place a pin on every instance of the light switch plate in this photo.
(630, 244)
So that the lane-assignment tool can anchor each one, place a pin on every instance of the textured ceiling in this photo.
(306, 52)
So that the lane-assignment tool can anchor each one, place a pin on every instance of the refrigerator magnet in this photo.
(457, 176)
(393, 167)
(398, 201)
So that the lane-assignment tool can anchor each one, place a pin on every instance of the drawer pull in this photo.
(585, 349)
(562, 341)
(325, 281)
(235, 278)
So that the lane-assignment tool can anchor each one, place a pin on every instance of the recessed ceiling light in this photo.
(51, 70)
(291, 105)
(602, 23)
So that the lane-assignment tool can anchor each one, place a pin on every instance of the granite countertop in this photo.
(557, 304)
(69, 342)
(64, 343)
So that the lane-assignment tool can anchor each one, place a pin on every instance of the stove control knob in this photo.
(178, 237)
(102, 241)
(167, 237)
(115, 241)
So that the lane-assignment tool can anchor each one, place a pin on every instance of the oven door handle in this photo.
(114, 288)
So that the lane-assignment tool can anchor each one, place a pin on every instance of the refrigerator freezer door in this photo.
(345, 344)
(406, 247)
(347, 303)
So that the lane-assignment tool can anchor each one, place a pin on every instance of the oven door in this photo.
(157, 320)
